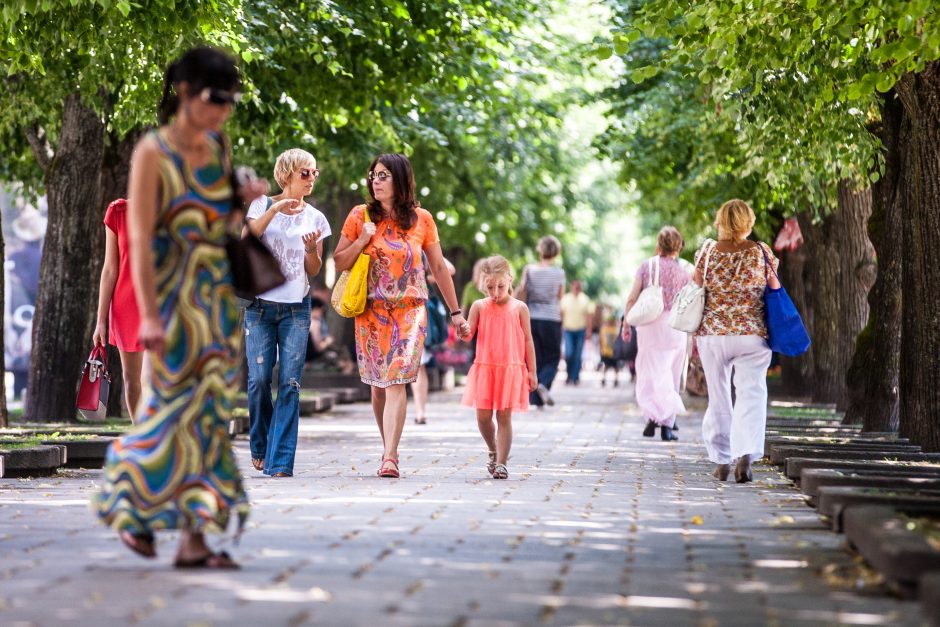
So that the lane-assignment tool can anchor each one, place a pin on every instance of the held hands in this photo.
(626, 332)
(151, 334)
(533, 381)
(461, 326)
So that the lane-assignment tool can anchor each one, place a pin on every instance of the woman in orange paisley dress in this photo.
(390, 332)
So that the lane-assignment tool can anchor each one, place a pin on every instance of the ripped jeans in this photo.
(275, 332)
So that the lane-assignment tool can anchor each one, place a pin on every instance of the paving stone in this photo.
(596, 525)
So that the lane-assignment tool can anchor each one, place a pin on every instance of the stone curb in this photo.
(881, 537)
(36, 461)
(834, 500)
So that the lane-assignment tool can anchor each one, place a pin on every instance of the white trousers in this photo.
(731, 430)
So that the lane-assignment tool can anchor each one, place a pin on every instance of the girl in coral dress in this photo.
(503, 372)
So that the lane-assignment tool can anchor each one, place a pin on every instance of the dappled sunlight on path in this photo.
(596, 525)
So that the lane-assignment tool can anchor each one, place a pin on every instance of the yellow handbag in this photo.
(351, 288)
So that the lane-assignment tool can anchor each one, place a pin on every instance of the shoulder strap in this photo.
(709, 247)
(268, 202)
(365, 214)
(654, 271)
(767, 264)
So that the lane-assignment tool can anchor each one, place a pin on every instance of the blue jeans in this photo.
(574, 346)
(275, 332)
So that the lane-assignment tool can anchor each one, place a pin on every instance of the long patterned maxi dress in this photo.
(176, 469)
(390, 332)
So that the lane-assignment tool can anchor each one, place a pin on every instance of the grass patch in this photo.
(13, 445)
(804, 412)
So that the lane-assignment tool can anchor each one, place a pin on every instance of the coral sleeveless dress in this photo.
(498, 378)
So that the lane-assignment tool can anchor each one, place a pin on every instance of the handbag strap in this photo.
(654, 272)
(767, 263)
(710, 246)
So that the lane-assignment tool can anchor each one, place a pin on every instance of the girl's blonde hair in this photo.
(736, 218)
(288, 162)
(492, 267)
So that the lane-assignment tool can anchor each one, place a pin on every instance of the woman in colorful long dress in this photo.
(176, 469)
(390, 332)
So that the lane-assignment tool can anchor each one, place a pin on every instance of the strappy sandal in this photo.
(258, 464)
(491, 465)
(140, 543)
(211, 561)
(501, 472)
(389, 473)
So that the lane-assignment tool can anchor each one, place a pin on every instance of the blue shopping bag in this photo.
(788, 336)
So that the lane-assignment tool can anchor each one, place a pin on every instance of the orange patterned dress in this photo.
(390, 332)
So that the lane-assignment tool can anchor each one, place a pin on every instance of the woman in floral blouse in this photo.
(390, 332)
(734, 335)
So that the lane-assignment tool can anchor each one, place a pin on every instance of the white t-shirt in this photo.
(284, 237)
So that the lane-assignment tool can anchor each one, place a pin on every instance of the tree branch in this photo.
(42, 149)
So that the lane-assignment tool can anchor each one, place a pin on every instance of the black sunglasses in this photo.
(307, 173)
(216, 96)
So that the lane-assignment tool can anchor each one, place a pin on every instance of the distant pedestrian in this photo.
(607, 336)
(661, 349)
(117, 305)
(733, 337)
(176, 468)
(503, 373)
(390, 332)
(544, 285)
(577, 312)
(277, 323)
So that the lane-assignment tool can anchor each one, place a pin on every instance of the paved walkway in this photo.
(596, 526)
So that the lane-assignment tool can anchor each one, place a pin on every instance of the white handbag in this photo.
(689, 305)
(649, 305)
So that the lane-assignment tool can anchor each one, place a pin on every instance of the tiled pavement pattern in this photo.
(596, 526)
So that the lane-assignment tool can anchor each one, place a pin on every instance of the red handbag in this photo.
(96, 382)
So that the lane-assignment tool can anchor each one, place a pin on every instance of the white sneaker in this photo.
(542, 391)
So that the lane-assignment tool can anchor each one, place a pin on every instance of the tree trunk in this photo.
(919, 183)
(872, 378)
(796, 373)
(115, 169)
(840, 256)
(4, 416)
(71, 265)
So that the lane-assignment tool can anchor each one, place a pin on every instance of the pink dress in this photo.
(661, 350)
(124, 317)
(498, 378)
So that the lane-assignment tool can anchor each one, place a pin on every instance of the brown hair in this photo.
(403, 186)
(670, 241)
(549, 247)
(736, 218)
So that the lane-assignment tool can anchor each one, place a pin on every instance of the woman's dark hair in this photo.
(200, 67)
(403, 186)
